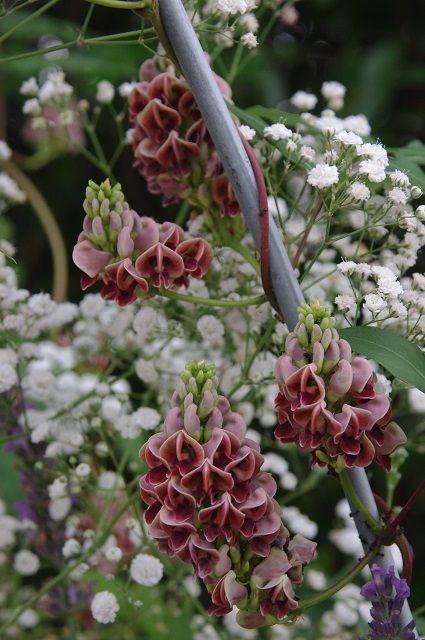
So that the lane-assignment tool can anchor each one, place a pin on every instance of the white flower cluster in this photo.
(232, 7)
(10, 193)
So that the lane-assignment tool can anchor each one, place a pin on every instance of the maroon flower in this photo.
(210, 504)
(133, 255)
(327, 402)
(171, 145)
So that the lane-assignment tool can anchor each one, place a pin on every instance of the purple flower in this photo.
(387, 593)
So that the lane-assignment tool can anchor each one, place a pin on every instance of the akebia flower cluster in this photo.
(172, 147)
(210, 504)
(133, 255)
(328, 403)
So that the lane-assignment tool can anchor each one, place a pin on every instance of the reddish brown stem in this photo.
(409, 504)
(264, 220)
(399, 538)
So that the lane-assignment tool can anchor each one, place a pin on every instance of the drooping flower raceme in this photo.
(133, 255)
(328, 403)
(210, 504)
(387, 594)
(171, 144)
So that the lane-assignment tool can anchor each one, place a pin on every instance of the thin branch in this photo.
(50, 226)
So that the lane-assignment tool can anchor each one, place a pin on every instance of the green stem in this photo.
(355, 500)
(330, 591)
(50, 226)
(418, 611)
(182, 213)
(98, 40)
(30, 17)
(234, 244)
(120, 4)
(212, 302)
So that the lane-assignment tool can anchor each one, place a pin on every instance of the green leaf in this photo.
(403, 359)
(409, 159)
(274, 115)
(248, 118)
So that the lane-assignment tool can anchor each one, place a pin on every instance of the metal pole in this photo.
(222, 129)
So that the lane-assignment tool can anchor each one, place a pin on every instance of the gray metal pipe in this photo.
(222, 129)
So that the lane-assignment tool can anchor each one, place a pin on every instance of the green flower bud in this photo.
(316, 334)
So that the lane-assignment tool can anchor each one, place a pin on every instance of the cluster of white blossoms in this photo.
(235, 22)
(10, 192)
(362, 206)
(232, 7)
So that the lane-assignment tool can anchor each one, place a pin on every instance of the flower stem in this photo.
(24, 21)
(50, 226)
(354, 498)
(334, 588)
(120, 4)
(212, 302)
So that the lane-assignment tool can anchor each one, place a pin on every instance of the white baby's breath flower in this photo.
(374, 170)
(55, 89)
(359, 124)
(59, 508)
(211, 329)
(291, 146)
(31, 107)
(58, 488)
(29, 87)
(147, 418)
(304, 101)
(249, 22)
(334, 93)
(323, 176)
(28, 619)
(10, 193)
(71, 548)
(399, 179)
(232, 7)
(113, 554)
(5, 150)
(345, 302)
(247, 132)
(146, 570)
(383, 385)
(26, 563)
(82, 470)
(375, 303)
(249, 40)
(105, 92)
(347, 267)
(397, 196)
(8, 377)
(146, 371)
(416, 192)
(359, 192)
(104, 607)
(307, 153)
(277, 131)
(348, 138)
(390, 287)
(126, 88)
